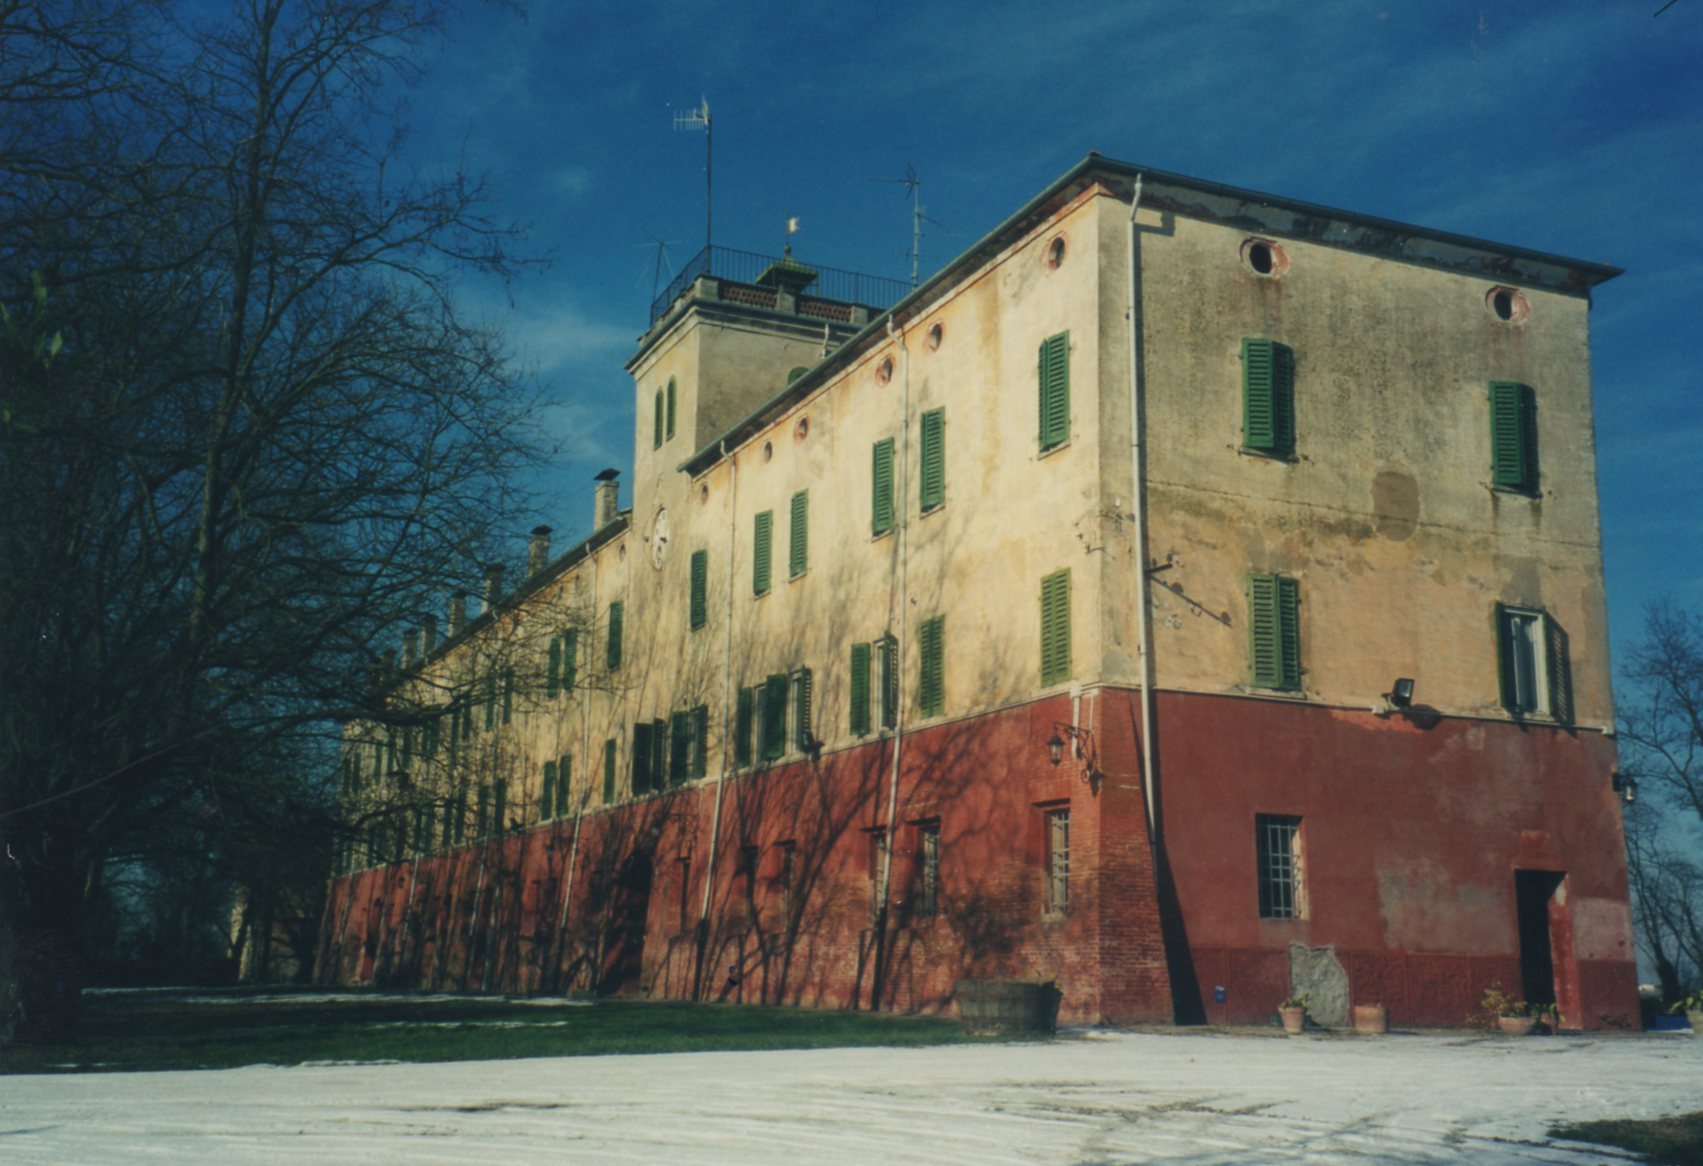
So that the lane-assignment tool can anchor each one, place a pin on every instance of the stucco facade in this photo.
(818, 769)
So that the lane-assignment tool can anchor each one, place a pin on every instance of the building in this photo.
(1188, 595)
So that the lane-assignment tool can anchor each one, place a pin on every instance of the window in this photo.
(1268, 397)
(499, 806)
(608, 771)
(553, 668)
(570, 660)
(679, 747)
(859, 689)
(1278, 847)
(761, 554)
(801, 694)
(932, 470)
(670, 409)
(798, 550)
(931, 679)
(881, 475)
(547, 793)
(656, 430)
(744, 719)
(700, 588)
(1057, 825)
(1513, 437)
(1532, 664)
(1274, 632)
(927, 899)
(644, 745)
(698, 762)
(1055, 390)
(773, 729)
(612, 650)
(564, 774)
(1055, 627)
(877, 871)
(888, 649)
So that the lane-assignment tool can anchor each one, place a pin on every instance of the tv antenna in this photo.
(662, 246)
(913, 187)
(691, 120)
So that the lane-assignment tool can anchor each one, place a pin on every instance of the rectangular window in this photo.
(1513, 437)
(932, 468)
(553, 668)
(570, 660)
(1532, 663)
(1268, 397)
(762, 553)
(1274, 632)
(1055, 390)
(1055, 627)
(744, 720)
(700, 588)
(881, 502)
(499, 805)
(1057, 825)
(612, 653)
(1278, 853)
(644, 745)
(670, 409)
(564, 775)
(547, 793)
(877, 871)
(798, 549)
(801, 696)
(927, 899)
(859, 689)
(679, 747)
(608, 771)
(656, 428)
(931, 678)
(700, 741)
(490, 701)
(774, 717)
(888, 649)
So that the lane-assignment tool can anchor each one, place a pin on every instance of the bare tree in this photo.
(266, 441)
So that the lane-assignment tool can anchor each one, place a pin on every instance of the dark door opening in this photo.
(629, 913)
(1534, 892)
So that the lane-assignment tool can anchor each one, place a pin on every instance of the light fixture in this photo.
(1400, 694)
(1055, 749)
(1625, 786)
(812, 745)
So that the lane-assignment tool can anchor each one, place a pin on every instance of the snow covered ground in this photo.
(1200, 1098)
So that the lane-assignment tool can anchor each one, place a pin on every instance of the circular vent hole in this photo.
(1055, 252)
(1507, 304)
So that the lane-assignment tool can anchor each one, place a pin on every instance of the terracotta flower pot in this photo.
(1293, 1019)
(1695, 1016)
(1516, 1025)
(1371, 1019)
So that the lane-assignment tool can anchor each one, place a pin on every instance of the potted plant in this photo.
(1293, 1012)
(1371, 1019)
(1692, 1006)
(1516, 1017)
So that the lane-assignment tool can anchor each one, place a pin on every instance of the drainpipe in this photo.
(878, 979)
(1138, 474)
(702, 937)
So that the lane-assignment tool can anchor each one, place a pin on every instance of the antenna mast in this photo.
(691, 120)
(913, 187)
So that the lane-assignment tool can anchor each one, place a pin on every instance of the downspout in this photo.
(878, 983)
(703, 927)
(1138, 473)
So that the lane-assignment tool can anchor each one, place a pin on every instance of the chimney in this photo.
(608, 500)
(389, 670)
(410, 647)
(493, 586)
(457, 614)
(538, 550)
(428, 635)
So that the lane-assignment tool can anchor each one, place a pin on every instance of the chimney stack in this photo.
(608, 500)
(493, 586)
(410, 647)
(538, 550)
(428, 635)
(457, 614)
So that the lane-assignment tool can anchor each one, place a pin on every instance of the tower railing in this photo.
(746, 267)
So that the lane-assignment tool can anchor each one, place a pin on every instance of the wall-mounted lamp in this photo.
(1081, 742)
(812, 745)
(1055, 749)
(1400, 694)
(1624, 786)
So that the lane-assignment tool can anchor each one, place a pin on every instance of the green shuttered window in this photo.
(931, 678)
(1274, 632)
(612, 654)
(745, 715)
(1533, 663)
(803, 688)
(679, 747)
(888, 649)
(564, 774)
(881, 502)
(700, 588)
(1513, 437)
(1055, 390)
(932, 476)
(762, 553)
(774, 717)
(570, 660)
(1055, 627)
(656, 432)
(644, 747)
(553, 668)
(547, 793)
(608, 771)
(798, 550)
(860, 689)
(670, 409)
(700, 740)
(1268, 397)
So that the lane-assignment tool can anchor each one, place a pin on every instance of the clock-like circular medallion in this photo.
(659, 539)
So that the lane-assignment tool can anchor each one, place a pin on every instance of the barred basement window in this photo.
(927, 900)
(1278, 846)
(1057, 872)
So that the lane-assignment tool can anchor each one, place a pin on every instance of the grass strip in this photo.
(1667, 1141)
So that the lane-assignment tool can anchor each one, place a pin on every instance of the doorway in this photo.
(629, 914)
(1539, 902)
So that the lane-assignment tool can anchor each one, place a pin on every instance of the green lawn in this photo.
(1668, 1141)
(164, 1030)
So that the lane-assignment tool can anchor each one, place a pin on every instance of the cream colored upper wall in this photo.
(1385, 514)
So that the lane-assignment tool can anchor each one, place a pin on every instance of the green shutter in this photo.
(774, 717)
(799, 548)
(608, 771)
(700, 586)
(1513, 436)
(643, 739)
(760, 554)
(802, 686)
(1504, 656)
(859, 689)
(1268, 397)
(1055, 627)
(889, 682)
(612, 654)
(1055, 390)
(933, 468)
(656, 432)
(547, 796)
(670, 408)
(679, 747)
(570, 660)
(1556, 658)
(1274, 632)
(564, 774)
(700, 740)
(881, 505)
(553, 668)
(744, 715)
(931, 679)
(490, 700)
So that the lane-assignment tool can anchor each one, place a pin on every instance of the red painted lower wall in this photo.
(1410, 836)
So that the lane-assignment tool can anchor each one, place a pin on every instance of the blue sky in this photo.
(1566, 127)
